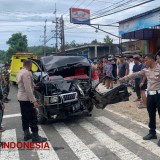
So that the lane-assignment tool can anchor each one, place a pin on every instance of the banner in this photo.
(79, 16)
(146, 21)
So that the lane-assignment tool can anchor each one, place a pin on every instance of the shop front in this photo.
(145, 26)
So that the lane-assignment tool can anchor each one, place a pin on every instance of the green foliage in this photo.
(39, 50)
(17, 43)
(2, 57)
(142, 49)
(108, 40)
(95, 41)
(72, 44)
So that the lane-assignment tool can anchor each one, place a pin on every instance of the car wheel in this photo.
(40, 117)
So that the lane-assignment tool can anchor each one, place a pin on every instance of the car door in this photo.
(102, 97)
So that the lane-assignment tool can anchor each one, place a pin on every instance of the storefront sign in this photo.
(146, 21)
(79, 16)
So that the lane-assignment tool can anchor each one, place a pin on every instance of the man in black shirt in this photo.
(114, 64)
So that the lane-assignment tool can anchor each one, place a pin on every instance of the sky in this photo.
(28, 17)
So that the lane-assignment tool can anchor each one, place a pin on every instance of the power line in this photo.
(106, 7)
(123, 9)
(69, 7)
(89, 3)
(115, 6)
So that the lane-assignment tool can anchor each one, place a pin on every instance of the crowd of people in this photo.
(108, 71)
(151, 73)
(144, 72)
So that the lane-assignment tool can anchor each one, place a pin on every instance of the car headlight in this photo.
(53, 99)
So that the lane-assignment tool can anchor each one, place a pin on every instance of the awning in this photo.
(143, 21)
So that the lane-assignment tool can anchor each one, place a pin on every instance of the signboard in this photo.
(146, 21)
(79, 16)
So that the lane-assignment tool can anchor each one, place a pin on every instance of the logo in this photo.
(80, 16)
(24, 145)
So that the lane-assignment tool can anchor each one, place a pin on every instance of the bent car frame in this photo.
(63, 86)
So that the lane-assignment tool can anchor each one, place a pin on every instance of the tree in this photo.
(2, 56)
(38, 50)
(94, 42)
(72, 44)
(109, 42)
(17, 43)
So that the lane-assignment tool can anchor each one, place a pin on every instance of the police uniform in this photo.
(153, 95)
(6, 83)
(1, 110)
(26, 99)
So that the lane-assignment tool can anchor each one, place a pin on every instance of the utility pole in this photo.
(56, 36)
(59, 31)
(45, 41)
(62, 37)
(56, 28)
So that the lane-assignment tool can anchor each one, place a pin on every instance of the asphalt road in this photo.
(103, 136)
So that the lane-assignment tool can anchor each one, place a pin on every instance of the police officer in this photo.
(6, 82)
(153, 96)
(2, 107)
(28, 103)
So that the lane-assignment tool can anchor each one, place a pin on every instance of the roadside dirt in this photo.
(130, 109)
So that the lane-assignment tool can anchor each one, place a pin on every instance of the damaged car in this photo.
(63, 87)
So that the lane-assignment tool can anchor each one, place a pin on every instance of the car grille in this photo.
(69, 97)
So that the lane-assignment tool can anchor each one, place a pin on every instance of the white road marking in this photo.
(122, 152)
(133, 121)
(78, 147)
(8, 154)
(152, 147)
(46, 154)
(12, 115)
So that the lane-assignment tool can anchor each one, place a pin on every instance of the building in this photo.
(145, 26)
(93, 50)
(133, 45)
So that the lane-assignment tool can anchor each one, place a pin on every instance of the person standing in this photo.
(6, 82)
(2, 107)
(131, 64)
(95, 77)
(104, 74)
(114, 64)
(143, 87)
(152, 74)
(158, 57)
(123, 67)
(109, 76)
(28, 103)
(100, 70)
(136, 68)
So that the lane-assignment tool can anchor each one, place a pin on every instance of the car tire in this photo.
(40, 117)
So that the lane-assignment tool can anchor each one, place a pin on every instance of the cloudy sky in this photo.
(28, 16)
